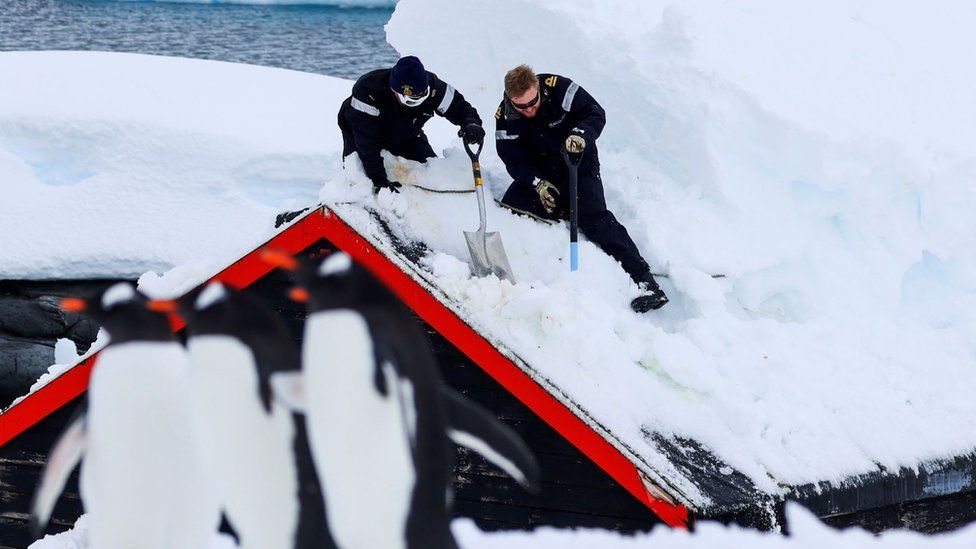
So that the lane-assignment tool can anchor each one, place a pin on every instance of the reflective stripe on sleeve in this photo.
(446, 100)
(503, 135)
(570, 94)
(364, 107)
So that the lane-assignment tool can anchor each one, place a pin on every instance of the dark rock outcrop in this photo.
(31, 322)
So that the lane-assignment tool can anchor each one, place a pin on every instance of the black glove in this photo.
(393, 186)
(473, 134)
(576, 143)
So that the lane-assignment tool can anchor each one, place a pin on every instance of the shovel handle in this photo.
(475, 164)
(573, 168)
(478, 183)
(473, 154)
(570, 157)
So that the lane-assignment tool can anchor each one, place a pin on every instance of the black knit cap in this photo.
(408, 76)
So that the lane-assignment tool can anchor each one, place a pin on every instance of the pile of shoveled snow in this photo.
(838, 204)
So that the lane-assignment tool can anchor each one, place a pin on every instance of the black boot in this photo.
(651, 295)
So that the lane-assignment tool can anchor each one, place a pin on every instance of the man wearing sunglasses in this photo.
(538, 117)
(387, 111)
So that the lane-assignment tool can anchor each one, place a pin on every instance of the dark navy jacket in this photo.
(530, 147)
(376, 118)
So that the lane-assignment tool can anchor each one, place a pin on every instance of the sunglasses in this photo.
(529, 105)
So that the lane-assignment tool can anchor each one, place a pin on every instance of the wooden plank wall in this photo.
(21, 463)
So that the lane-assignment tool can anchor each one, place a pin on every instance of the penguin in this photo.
(141, 481)
(380, 420)
(259, 452)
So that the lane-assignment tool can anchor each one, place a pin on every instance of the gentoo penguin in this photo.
(141, 482)
(379, 417)
(257, 448)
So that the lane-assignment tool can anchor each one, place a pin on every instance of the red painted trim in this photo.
(45, 400)
(73, 382)
(503, 370)
(251, 267)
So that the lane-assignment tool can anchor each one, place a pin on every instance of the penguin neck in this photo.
(129, 335)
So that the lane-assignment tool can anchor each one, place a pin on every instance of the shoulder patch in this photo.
(551, 81)
(498, 113)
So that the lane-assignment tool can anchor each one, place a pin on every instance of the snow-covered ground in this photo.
(822, 157)
(807, 533)
(113, 165)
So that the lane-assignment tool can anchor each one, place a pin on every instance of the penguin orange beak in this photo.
(167, 306)
(279, 258)
(298, 294)
(73, 304)
(170, 308)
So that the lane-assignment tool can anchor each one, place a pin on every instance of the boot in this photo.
(651, 295)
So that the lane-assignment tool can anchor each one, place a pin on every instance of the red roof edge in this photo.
(322, 223)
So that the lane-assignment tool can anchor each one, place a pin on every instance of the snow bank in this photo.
(818, 156)
(113, 164)
(807, 532)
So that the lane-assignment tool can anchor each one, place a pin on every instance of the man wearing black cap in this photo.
(387, 111)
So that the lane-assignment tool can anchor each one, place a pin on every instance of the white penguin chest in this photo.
(140, 446)
(361, 438)
(227, 402)
(138, 384)
(250, 448)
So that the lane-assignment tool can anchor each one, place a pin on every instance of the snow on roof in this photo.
(825, 185)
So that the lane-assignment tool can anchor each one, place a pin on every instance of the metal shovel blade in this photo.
(488, 255)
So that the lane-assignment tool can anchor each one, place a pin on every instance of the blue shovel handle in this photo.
(573, 208)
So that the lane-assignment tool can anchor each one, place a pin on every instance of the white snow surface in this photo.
(839, 206)
(113, 165)
(807, 533)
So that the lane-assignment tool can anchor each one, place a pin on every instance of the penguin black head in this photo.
(217, 309)
(124, 313)
(207, 309)
(337, 282)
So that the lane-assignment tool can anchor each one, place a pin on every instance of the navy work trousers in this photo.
(596, 222)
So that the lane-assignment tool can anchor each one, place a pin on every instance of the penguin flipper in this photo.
(474, 427)
(289, 389)
(63, 458)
